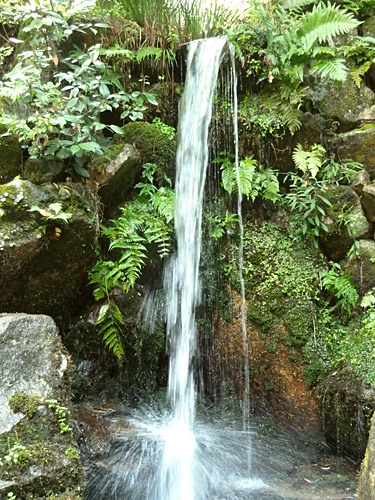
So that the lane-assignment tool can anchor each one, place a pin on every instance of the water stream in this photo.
(169, 453)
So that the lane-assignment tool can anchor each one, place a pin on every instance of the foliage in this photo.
(51, 102)
(254, 115)
(53, 212)
(362, 52)
(298, 45)
(362, 8)
(167, 23)
(255, 180)
(61, 412)
(144, 221)
(219, 226)
(307, 192)
(340, 286)
(368, 304)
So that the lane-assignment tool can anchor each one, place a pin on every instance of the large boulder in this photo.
(366, 486)
(346, 405)
(38, 453)
(44, 260)
(345, 221)
(42, 171)
(357, 145)
(116, 174)
(368, 201)
(32, 361)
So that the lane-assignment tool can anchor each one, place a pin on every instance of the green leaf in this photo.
(81, 171)
(90, 146)
(116, 129)
(151, 99)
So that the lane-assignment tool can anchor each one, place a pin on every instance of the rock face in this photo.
(44, 260)
(366, 487)
(346, 406)
(362, 268)
(31, 361)
(38, 453)
(10, 158)
(357, 145)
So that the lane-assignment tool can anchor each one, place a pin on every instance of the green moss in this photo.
(151, 142)
(21, 402)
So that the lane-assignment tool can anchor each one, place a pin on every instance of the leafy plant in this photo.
(255, 180)
(362, 52)
(368, 304)
(53, 103)
(61, 412)
(144, 221)
(340, 286)
(53, 212)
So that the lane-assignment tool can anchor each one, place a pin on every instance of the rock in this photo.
(366, 486)
(368, 201)
(363, 267)
(357, 145)
(10, 158)
(116, 178)
(44, 260)
(345, 103)
(42, 171)
(34, 416)
(361, 180)
(346, 405)
(345, 221)
(32, 360)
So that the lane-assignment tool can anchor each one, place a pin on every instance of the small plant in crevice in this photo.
(61, 413)
(341, 287)
(145, 221)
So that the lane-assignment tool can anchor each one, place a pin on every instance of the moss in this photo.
(10, 158)
(154, 145)
(21, 402)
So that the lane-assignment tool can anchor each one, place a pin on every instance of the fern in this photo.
(341, 286)
(309, 161)
(325, 22)
(110, 321)
(296, 4)
(334, 69)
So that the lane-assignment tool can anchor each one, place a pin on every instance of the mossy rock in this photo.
(357, 145)
(154, 146)
(44, 260)
(345, 220)
(10, 158)
(366, 486)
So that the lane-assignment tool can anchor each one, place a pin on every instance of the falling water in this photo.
(182, 277)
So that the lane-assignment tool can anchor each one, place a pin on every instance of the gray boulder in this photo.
(32, 361)
(366, 486)
(357, 145)
(361, 180)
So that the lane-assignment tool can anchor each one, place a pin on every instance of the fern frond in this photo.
(111, 321)
(324, 22)
(334, 69)
(117, 51)
(309, 161)
(151, 52)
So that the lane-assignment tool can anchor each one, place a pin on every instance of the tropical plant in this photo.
(53, 103)
(362, 52)
(340, 286)
(306, 196)
(368, 304)
(255, 180)
(298, 45)
(144, 221)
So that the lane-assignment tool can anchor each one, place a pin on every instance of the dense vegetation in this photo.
(73, 74)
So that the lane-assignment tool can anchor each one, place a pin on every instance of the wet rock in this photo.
(10, 158)
(346, 406)
(42, 171)
(362, 268)
(368, 201)
(116, 178)
(44, 260)
(361, 180)
(357, 145)
(366, 486)
(345, 103)
(32, 361)
(345, 221)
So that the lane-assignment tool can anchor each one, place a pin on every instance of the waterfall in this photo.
(182, 275)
